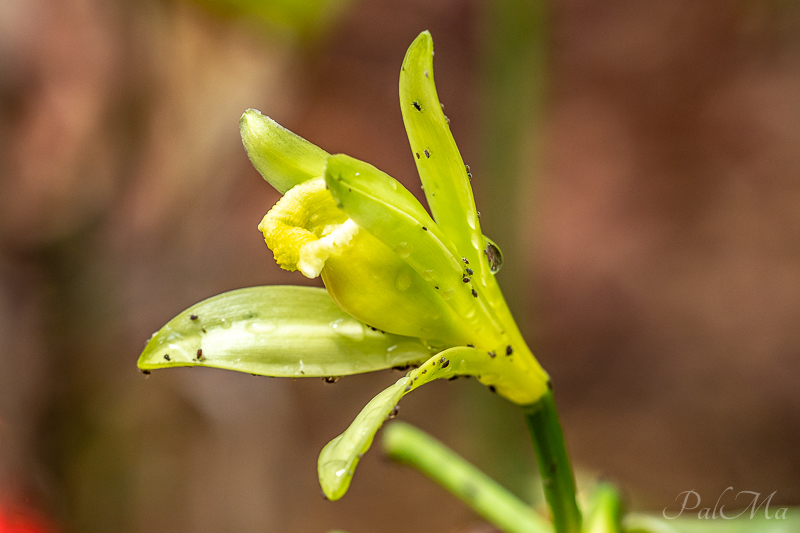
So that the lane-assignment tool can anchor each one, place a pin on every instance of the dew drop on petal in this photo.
(427, 275)
(494, 255)
(402, 282)
(447, 294)
(261, 327)
(476, 241)
(403, 250)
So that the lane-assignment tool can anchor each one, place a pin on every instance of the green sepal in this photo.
(281, 331)
(383, 207)
(338, 459)
(439, 163)
(281, 157)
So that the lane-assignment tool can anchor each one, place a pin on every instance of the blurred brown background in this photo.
(639, 163)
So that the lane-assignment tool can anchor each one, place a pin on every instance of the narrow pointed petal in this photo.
(382, 206)
(282, 331)
(339, 458)
(438, 160)
(281, 157)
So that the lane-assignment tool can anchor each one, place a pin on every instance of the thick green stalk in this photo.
(407, 444)
(554, 465)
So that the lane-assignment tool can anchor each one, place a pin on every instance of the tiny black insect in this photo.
(509, 350)
(470, 345)
(417, 106)
(200, 354)
(427, 153)
(166, 356)
(192, 317)
(474, 293)
(446, 364)
(330, 379)
(492, 355)
(465, 279)
(424, 228)
(469, 271)
(465, 260)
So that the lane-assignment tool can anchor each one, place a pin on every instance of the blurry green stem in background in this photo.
(554, 466)
(406, 444)
(514, 59)
(513, 56)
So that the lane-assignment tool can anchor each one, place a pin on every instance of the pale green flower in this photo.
(411, 288)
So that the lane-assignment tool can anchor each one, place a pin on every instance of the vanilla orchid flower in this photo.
(403, 287)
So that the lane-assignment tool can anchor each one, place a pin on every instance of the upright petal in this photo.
(441, 169)
(283, 158)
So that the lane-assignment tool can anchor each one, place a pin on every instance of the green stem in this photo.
(407, 444)
(554, 465)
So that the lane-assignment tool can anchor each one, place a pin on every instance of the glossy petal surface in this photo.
(282, 331)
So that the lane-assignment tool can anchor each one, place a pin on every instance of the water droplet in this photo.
(494, 255)
(471, 221)
(427, 275)
(394, 185)
(225, 323)
(261, 327)
(447, 294)
(476, 241)
(402, 282)
(403, 250)
(350, 329)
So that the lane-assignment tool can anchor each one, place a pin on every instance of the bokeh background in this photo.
(638, 162)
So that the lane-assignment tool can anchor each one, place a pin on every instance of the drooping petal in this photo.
(383, 207)
(509, 376)
(282, 331)
(438, 160)
(338, 459)
(283, 158)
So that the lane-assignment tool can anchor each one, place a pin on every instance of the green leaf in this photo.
(282, 331)
(280, 156)
(441, 169)
(339, 458)
(382, 206)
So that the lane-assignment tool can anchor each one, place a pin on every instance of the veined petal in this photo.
(338, 459)
(441, 169)
(282, 331)
(383, 207)
(280, 156)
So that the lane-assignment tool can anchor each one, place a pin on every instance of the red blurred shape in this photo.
(14, 522)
